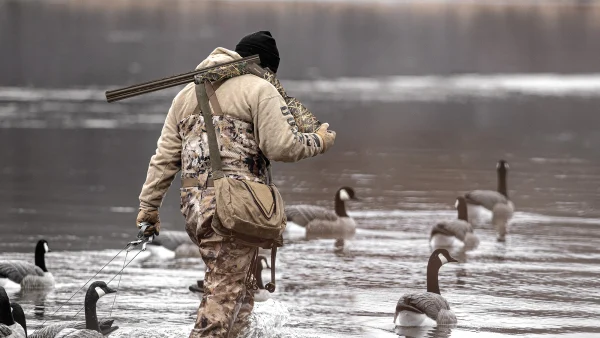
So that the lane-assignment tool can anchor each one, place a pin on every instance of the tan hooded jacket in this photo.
(248, 99)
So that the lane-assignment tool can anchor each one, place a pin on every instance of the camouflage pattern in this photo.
(240, 153)
(304, 119)
(226, 72)
(226, 304)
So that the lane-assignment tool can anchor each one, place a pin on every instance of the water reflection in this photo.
(441, 331)
(37, 298)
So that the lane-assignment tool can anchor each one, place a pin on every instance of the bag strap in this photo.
(213, 146)
(205, 92)
(271, 286)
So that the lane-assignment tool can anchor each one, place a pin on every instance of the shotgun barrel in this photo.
(172, 81)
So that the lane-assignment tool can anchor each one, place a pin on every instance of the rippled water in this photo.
(78, 188)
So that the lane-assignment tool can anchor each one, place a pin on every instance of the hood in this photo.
(218, 56)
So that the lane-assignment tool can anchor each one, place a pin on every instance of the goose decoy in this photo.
(498, 202)
(428, 308)
(173, 244)
(446, 233)
(24, 275)
(19, 316)
(91, 328)
(9, 327)
(260, 295)
(321, 222)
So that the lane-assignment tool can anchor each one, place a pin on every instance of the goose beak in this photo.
(453, 260)
(109, 290)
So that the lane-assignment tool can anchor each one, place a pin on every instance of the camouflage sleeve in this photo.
(165, 163)
(277, 133)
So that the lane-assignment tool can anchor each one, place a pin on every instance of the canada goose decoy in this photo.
(9, 327)
(497, 202)
(446, 233)
(91, 328)
(260, 295)
(24, 275)
(321, 222)
(173, 244)
(19, 316)
(428, 308)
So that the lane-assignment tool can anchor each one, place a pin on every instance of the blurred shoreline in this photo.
(118, 42)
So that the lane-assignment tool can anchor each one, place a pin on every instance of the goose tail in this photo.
(502, 213)
(471, 241)
(109, 330)
(446, 317)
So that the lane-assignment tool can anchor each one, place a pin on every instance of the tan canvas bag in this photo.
(250, 212)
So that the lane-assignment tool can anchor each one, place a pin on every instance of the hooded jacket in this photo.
(256, 124)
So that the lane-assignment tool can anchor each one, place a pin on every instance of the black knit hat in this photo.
(263, 44)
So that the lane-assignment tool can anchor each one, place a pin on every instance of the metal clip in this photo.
(142, 239)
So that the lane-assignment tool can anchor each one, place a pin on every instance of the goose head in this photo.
(440, 257)
(346, 194)
(5, 310)
(19, 316)
(40, 251)
(502, 166)
(96, 291)
(461, 208)
(502, 169)
(342, 195)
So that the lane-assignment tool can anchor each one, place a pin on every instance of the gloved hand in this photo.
(150, 216)
(327, 136)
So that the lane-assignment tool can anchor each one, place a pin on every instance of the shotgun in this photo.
(175, 80)
(305, 120)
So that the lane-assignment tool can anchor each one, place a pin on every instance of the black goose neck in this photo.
(258, 276)
(5, 311)
(502, 182)
(340, 206)
(462, 211)
(19, 316)
(433, 268)
(91, 317)
(40, 252)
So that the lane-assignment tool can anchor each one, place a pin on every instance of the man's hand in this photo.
(327, 136)
(150, 216)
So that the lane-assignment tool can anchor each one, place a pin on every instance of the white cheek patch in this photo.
(456, 204)
(442, 259)
(506, 165)
(46, 247)
(100, 292)
(344, 196)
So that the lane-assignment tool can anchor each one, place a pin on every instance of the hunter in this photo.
(255, 127)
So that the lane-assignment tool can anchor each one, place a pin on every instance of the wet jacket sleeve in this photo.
(166, 162)
(276, 131)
